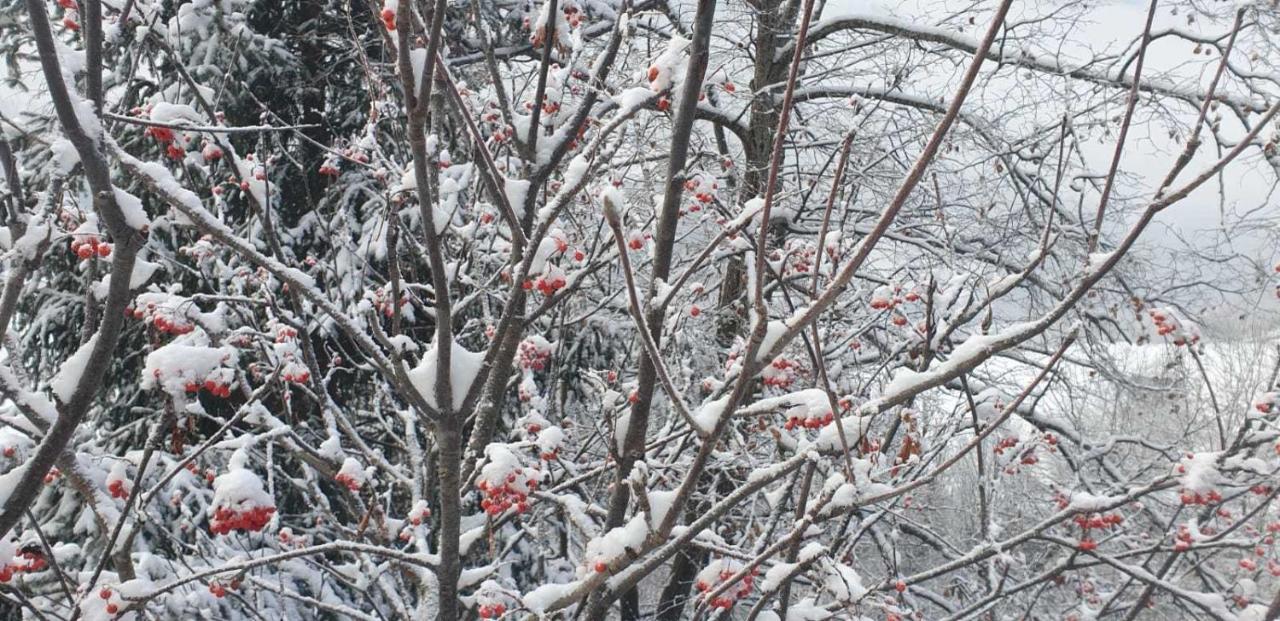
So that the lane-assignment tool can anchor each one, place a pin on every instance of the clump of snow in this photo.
(854, 427)
(1087, 502)
(240, 488)
(773, 332)
(659, 505)
(576, 171)
(549, 442)
(352, 474)
(68, 378)
(239, 502)
(615, 544)
(516, 191)
(131, 206)
(843, 582)
(175, 114)
(668, 68)
(545, 596)
(505, 481)
(184, 365)
(464, 366)
(1198, 472)
(65, 156)
(633, 98)
(776, 574)
(709, 414)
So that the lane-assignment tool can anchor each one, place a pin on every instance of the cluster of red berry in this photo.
(501, 133)
(349, 481)
(288, 538)
(1266, 403)
(549, 105)
(886, 298)
(220, 591)
(799, 256)
(382, 302)
(703, 190)
(162, 319)
(514, 492)
(1098, 521)
(1028, 458)
(213, 387)
(533, 354)
(32, 561)
(551, 280)
(118, 488)
(113, 604)
(1166, 324)
(1189, 497)
(167, 137)
(572, 14)
(295, 372)
(731, 596)
(69, 18)
(636, 239)
(419, 514)
(539, 35)
(890, 298)
(211, 152)
(226, 519)
(1182, 540)
(1005, 443)
(781, 372)
(208, 474)
(810, 422)
(284, 334)
(89, 246)
(491, 611)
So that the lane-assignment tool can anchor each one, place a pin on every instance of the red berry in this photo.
(161, 134)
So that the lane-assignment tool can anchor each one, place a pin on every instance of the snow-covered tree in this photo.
(639, 309)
